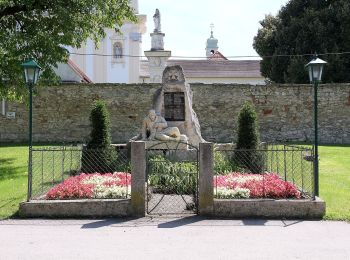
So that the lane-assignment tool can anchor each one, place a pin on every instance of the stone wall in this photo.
(285, 111)
(61, 114)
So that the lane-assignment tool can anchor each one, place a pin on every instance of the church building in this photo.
(118, 60)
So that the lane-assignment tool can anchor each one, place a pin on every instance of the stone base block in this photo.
(266, 208)
(225, 146)
(171, 145)
(92, 208)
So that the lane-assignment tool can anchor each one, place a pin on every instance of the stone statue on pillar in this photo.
(157, 56)
(156, 19)
(157, 35)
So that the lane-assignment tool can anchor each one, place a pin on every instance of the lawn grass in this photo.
(334, 179)
(13, 178)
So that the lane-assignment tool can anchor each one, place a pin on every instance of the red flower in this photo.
(268, 185)
(75, 187)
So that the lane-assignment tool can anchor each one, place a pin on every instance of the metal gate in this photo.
(172, 178)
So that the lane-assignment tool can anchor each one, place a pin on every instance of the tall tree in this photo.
(41, 28)
(305, 27)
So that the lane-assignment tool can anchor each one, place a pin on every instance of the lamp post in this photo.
(30, 73)
(315, 73)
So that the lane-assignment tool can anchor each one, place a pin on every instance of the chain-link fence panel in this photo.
(272, 171)
(68, 171)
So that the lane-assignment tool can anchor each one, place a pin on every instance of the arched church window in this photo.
(118, 50)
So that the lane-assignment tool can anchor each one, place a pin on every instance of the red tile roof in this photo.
(212, 68)
(77, 70)
(217, 56)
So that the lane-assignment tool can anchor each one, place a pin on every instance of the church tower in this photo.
(212, 43)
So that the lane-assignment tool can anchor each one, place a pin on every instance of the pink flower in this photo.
(268, 185)
(82, 186)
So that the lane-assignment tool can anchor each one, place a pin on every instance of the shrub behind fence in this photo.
(293, 164)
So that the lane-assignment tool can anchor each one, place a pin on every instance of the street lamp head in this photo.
(315, 69)
(30, 71)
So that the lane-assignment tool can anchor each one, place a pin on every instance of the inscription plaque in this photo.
(174, 105)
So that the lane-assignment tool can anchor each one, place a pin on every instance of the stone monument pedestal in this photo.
(157, 63)
(172, 150)
(157, 41)
(166, 145)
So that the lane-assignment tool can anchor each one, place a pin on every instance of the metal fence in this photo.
(53, 165)
(268, 165)
(172, 179)
(291, 164)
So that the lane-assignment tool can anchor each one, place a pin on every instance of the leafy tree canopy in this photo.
(305, 27)
(40, 29)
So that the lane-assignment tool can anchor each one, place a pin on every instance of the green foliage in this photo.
(224, 163)
(248, 140)
(248, 129)
(100, 136)
(171, 177)
(305, 27)
(40, 30)
(99, 156)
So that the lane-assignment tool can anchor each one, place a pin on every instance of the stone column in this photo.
(138, 179)
(206, 183)
(157, 63)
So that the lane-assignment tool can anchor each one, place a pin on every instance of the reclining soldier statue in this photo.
(154, 127)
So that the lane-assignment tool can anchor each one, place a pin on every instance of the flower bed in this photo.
(93, 186)
(269, 185)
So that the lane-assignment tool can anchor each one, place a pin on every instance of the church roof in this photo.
(79, 72)
(217, 56)
(212, 68)
(70, 72)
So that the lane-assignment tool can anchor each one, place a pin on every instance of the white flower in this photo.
(111, 192)
(244, 178)
(237, 193)
(103, 191)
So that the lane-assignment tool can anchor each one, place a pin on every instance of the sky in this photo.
(186, 24)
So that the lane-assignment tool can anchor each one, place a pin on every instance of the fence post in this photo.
(138, 178)
(30, 174)
(206, 183)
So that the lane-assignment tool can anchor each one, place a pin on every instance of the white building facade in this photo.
(117, 58)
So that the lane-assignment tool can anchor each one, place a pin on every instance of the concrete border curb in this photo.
(76, 208)
(269, 208)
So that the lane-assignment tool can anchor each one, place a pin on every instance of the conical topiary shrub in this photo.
(100, 133)
(248, 140)
(98, 155)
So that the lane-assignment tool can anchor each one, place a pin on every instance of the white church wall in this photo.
(90, 48)
(117, 70)
(103, 66)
